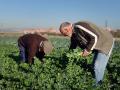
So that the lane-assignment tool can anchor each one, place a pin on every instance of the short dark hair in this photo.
(64, 24)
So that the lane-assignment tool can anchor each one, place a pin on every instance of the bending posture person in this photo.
(31, 45)
(90, 37)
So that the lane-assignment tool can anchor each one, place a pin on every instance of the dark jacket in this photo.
(31, 43)
(91, 37)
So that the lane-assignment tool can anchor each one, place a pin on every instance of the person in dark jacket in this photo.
(31, 45)
(90, 38)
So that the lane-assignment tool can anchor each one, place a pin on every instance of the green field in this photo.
(62, 70)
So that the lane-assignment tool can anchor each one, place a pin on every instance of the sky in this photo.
(51, 13)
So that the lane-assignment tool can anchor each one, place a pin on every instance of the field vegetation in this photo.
(62, 70)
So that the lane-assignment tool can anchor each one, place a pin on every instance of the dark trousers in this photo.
(22, 53)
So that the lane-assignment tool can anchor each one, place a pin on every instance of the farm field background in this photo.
(62, 70)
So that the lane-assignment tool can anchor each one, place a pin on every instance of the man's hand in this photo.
(85, 53)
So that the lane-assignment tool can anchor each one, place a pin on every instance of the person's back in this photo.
(105, 38)
(28, 39)
(33, 45)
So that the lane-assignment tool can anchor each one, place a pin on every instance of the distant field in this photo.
(19, 33)
(62, 70)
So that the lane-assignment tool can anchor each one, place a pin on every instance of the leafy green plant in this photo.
(63, 69)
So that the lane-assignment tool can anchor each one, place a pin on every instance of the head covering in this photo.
(47, 47)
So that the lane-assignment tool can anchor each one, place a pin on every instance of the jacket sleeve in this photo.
(90, 44)
(90, 36)
(73, 44)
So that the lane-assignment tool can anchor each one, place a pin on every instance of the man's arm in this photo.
(88, 48)
(91, 44)
(73, 44)
(92, 40)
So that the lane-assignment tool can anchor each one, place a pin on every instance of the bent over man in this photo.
(31, 45)
(90, 37)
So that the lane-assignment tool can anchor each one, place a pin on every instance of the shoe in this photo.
(100, 82)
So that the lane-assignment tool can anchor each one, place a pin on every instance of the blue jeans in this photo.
(100, 61)
(22, 53)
